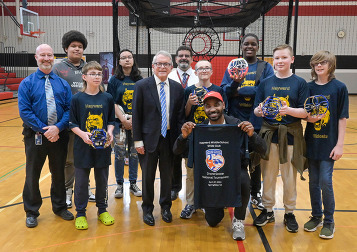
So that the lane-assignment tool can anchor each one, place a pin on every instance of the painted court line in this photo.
(110, 235)
(20, 195)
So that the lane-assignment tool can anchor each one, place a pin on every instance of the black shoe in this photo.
(256, 200)
(166, 215)
(31, 221)
(66, 215)
(290, 223)
(174, 195)
(263, 218)
(149, 219)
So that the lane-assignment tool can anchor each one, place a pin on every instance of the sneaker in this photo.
(69, 193)
(134, 189)
(313, 224)
(290, 223)
(238, 229)
(91, 196)
(187, 212)
(263, 218)
(327, 231)
(119, 191)
(126, 161)
(257, 201)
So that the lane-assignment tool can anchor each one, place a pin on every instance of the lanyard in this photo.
(184, 85)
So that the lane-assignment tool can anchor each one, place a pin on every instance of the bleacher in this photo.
(9, 84)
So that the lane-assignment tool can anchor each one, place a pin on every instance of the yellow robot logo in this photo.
(199, 115)
(323, 122)
(128, 98)
(94, 122)
(282, 99)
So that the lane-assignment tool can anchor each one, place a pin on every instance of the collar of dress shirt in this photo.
(158, 81)
(41, 74)
(189, 71)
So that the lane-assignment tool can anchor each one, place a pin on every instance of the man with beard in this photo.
(184, 75)
(214, 106)
(44, 102)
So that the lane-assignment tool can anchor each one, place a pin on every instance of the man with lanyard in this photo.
(44, 101)
(183, 74)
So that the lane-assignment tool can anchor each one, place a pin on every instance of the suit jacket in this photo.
(147, 112)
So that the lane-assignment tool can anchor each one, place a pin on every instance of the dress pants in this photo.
(177, 174)
(148, 162)
(35, 159)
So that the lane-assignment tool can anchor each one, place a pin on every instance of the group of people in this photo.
(152, 119)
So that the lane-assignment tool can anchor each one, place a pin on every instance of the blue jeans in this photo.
(122, 139)
(320, 180)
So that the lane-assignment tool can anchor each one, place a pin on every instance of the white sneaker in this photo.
(119, 191)
(238, 229)
(134, 189)
(69, 193)
(91, 196)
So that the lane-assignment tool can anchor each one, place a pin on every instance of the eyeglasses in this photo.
(159, 64)
(95, 75)
(184, 55)
(322, 63)
(127, 57)
(206, 69)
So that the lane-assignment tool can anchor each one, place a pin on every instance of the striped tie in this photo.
(51, 104)
(163, 109)
(184, 79)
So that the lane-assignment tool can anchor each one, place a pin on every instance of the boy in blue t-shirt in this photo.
(283, 135)
(324, 137)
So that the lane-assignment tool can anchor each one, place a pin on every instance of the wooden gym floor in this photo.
(131, 234)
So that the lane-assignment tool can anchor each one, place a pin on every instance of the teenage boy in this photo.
(73, 43)
(324, 139)
(283, 135)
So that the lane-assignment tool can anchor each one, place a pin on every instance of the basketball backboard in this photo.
(30, 24)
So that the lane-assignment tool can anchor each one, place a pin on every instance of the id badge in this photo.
(38, 138)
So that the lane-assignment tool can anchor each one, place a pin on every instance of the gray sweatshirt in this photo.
(72, 74)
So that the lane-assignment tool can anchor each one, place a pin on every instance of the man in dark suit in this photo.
(158, 114)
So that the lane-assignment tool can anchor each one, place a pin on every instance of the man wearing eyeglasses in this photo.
(158, 114)
(184, 75)
(73, 43)
(44, 101)
(194, 112)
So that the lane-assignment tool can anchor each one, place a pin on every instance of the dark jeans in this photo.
(320, 181)
(81, 189)
(214, 216)
(35, 159)
(120, 152)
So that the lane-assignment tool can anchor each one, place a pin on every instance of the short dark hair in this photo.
(250, 35)
(71, 36)
(184, 48)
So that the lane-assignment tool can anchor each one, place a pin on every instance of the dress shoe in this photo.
(174, 195)
(149, 219)
(65, 214)
(166, 215)
(31, 221)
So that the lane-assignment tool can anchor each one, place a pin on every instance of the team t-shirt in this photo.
(90, 112)
(213, 153)
(321, 136)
